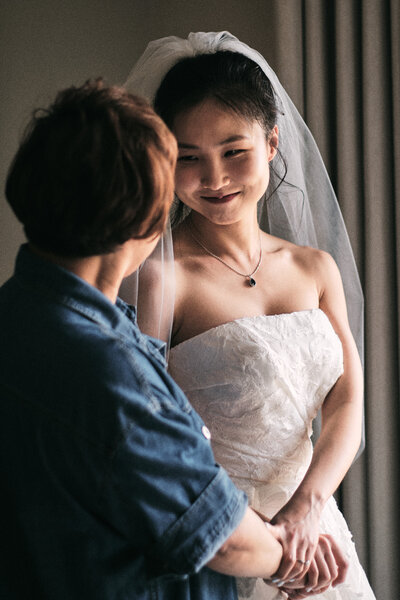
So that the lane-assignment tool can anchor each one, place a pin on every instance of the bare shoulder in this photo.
(321, 266)
(186, 253)
(187, 263)
(307, 258)
(180, 240)
(318, 261)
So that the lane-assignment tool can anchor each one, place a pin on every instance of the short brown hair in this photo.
(93, 170)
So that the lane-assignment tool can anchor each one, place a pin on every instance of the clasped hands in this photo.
(311, 562)
(301, 579)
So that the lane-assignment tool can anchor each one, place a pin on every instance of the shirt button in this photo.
(206, 432)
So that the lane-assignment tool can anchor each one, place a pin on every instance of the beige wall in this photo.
(46, 45)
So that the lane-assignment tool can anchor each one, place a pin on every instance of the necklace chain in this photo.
(249, 276)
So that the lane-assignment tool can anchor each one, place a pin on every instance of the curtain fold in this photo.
(379, 173)
(339, 61)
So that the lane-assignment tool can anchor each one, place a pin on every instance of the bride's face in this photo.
(223, 162)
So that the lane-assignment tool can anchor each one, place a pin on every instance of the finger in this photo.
(342, 563)
(297, 555)
(301, 567)
(295, 584)
(296, 561)
(327, 569)
(312, 574)
(304, 556)
(330, 561)
(291, 568)
(287, 568)
(318, 574)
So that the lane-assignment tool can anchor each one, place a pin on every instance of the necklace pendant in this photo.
(250, 278)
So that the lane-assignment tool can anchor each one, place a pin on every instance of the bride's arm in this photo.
(339, 439)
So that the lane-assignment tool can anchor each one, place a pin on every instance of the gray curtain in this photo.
(339, 60)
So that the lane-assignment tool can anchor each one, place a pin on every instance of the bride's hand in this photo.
(298, 534)
(328, 568)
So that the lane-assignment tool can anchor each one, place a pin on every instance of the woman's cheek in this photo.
(184, 180)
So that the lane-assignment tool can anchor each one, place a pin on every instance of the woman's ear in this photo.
(273, 142)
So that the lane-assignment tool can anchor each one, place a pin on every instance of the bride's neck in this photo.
(240, 237)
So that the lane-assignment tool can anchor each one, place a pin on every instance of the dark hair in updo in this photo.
(234, 81)
(230, 78)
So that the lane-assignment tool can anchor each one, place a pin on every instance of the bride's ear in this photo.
(273, 142)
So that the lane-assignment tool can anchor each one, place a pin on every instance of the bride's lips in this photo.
(220, 199)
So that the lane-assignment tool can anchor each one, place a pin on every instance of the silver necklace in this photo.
(249, 276)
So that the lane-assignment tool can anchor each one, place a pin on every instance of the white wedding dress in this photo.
(258, 383)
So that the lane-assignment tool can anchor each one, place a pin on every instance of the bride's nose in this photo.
(213, 175)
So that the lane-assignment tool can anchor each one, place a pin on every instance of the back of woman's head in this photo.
(93, 170)
(228, 77)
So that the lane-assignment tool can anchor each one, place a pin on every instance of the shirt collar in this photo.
(54, 281)
(49, 279)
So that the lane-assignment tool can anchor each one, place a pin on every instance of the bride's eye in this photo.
(234, 152)
(187, 158)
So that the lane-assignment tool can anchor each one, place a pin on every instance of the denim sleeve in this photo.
(163, 489)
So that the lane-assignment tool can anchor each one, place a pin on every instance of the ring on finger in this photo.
(303, 562)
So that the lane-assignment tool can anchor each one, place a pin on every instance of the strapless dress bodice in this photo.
(258, 383)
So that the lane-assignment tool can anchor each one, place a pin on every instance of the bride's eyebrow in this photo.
(228, 140)
(187, 146)
(234, 138)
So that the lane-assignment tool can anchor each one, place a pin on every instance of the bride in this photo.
(261, 338)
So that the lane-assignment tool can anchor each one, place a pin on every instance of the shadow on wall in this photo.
(51, 44)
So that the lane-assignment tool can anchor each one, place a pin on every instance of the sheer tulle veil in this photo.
(303, 209)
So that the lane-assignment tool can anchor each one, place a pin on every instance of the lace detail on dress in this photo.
(258, 382)
(267, 375)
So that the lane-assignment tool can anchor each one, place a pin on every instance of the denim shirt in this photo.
(109, 489)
